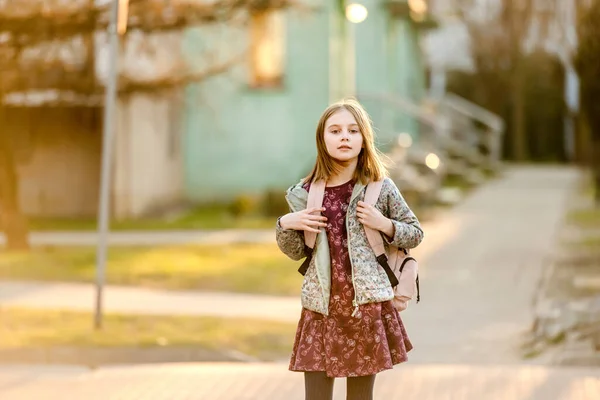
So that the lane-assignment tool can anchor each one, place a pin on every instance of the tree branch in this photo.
(35, 34)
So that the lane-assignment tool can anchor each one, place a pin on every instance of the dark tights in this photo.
(318, 386)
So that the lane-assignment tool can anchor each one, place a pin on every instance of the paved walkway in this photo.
(481, 264)
(149, 238)
(273, 382)
(122, 299)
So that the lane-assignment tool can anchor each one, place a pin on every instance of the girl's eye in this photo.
(335, 131)
(354, 131)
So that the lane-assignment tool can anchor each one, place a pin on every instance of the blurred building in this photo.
(253, 128)
(247, 127)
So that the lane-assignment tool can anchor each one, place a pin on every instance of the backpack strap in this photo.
(315, 199)
(374, 236)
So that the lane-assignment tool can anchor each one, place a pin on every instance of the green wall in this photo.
(389, 62)
(243, 140)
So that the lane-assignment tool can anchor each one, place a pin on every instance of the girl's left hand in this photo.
(371, 217)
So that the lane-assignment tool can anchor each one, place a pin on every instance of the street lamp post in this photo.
(117, 25)
(355, 14)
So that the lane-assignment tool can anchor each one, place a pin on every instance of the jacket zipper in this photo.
(354, 301)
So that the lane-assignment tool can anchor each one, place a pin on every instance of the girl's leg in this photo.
(360, 387)
(318, 386)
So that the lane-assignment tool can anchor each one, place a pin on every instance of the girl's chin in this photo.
(345, 161)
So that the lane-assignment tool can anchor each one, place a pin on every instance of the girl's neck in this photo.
(345, 174)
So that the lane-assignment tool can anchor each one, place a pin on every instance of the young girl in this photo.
(348, 326)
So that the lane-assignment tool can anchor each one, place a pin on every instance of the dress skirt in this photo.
(339, 344)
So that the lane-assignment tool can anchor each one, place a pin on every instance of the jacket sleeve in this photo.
(407, 230)
(290, 242)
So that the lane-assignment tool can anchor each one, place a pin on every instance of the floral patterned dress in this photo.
(339, 344)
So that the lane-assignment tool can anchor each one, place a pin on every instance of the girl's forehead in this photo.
(341, 117)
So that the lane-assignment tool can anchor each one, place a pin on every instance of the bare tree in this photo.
(49, 45)
(11, 218)
(497, 32)
(587, 63)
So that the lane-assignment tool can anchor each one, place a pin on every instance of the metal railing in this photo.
(463, 136)
(393, 116)
(408, 133)
(450, 136)
(475, 125)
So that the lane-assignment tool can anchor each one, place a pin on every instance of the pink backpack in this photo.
(401, 269)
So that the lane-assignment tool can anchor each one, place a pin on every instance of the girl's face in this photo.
(342, 136)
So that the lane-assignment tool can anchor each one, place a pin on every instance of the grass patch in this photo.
(457, 182)
(247, 268)
(591, 243)
(532, 353)
(34, 329)
(215, 216)
(586, 218)
(558, 338)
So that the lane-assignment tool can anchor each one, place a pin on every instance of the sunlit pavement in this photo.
(274, 382)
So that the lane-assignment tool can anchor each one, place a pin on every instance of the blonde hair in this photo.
(372, 164)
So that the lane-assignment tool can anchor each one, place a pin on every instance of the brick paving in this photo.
(274, 382)
(149, 238)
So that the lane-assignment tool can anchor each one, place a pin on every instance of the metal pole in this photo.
(110, 99)
(351, 65)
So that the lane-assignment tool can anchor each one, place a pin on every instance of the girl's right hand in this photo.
(304, 220)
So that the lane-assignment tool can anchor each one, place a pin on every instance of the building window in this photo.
(267, 48)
